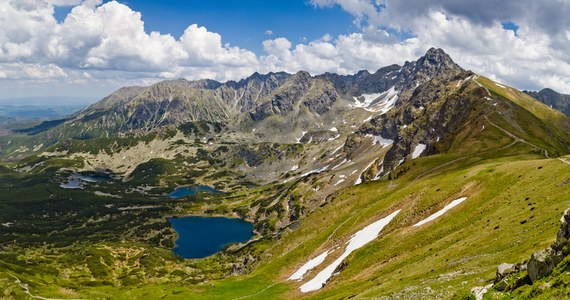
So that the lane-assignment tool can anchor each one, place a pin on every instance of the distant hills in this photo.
(553, 99)
(21, 112)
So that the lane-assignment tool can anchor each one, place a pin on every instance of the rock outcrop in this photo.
(542, 263)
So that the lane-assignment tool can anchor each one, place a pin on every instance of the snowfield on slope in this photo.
(358, 240)
(420, 148)
(438, 214)
(311, 264)
(372, 104)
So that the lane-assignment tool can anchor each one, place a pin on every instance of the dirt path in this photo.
(261, 291)
(27, 291)
(508, 133)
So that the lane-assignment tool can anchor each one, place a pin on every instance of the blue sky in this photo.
(93, 47)
(245, 23)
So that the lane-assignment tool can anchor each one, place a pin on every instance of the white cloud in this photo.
(111, 37)
(108, 45)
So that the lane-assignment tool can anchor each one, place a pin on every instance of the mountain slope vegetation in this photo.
(310, 161)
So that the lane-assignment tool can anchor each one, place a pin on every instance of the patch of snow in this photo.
(341, 163)
(302, 135)
(418, 150)
(316, 171)
(359, 180)
(334, 137)
(336, 150)
(7, 224)
(334, 129)
(400, 162)
(253, 130)
(379, 102)
(288, 179)
(339, 182)
(368, 99)
(437, 140)
(358, 240)
(378, 139)
(451, 205)
(500, 85)
(311, 264)
(377, 177)
(295, 167)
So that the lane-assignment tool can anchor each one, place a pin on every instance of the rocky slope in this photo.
(299, 97)
(553, 99)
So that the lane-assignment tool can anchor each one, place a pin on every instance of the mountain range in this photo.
(313, 162)
(553, 99)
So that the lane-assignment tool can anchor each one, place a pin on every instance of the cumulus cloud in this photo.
(472, 33)
(111, 37)
(106, 44)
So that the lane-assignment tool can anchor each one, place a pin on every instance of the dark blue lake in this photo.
(203, 236)
(192, 190)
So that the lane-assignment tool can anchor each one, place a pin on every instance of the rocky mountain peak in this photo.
(437, 59)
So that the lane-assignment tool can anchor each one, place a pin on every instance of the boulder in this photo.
(542, 263)
(504, 270)
(563, 233)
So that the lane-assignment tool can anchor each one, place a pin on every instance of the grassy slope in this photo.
(515, 200)
(461, 241)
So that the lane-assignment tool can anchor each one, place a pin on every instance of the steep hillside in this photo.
(553, 99)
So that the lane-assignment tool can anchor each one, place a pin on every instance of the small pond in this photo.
(192, 190)
(79, 181)
(200, 237)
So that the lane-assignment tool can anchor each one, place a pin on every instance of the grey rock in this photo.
(505, 269)
(563, 233)
(542, 263)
